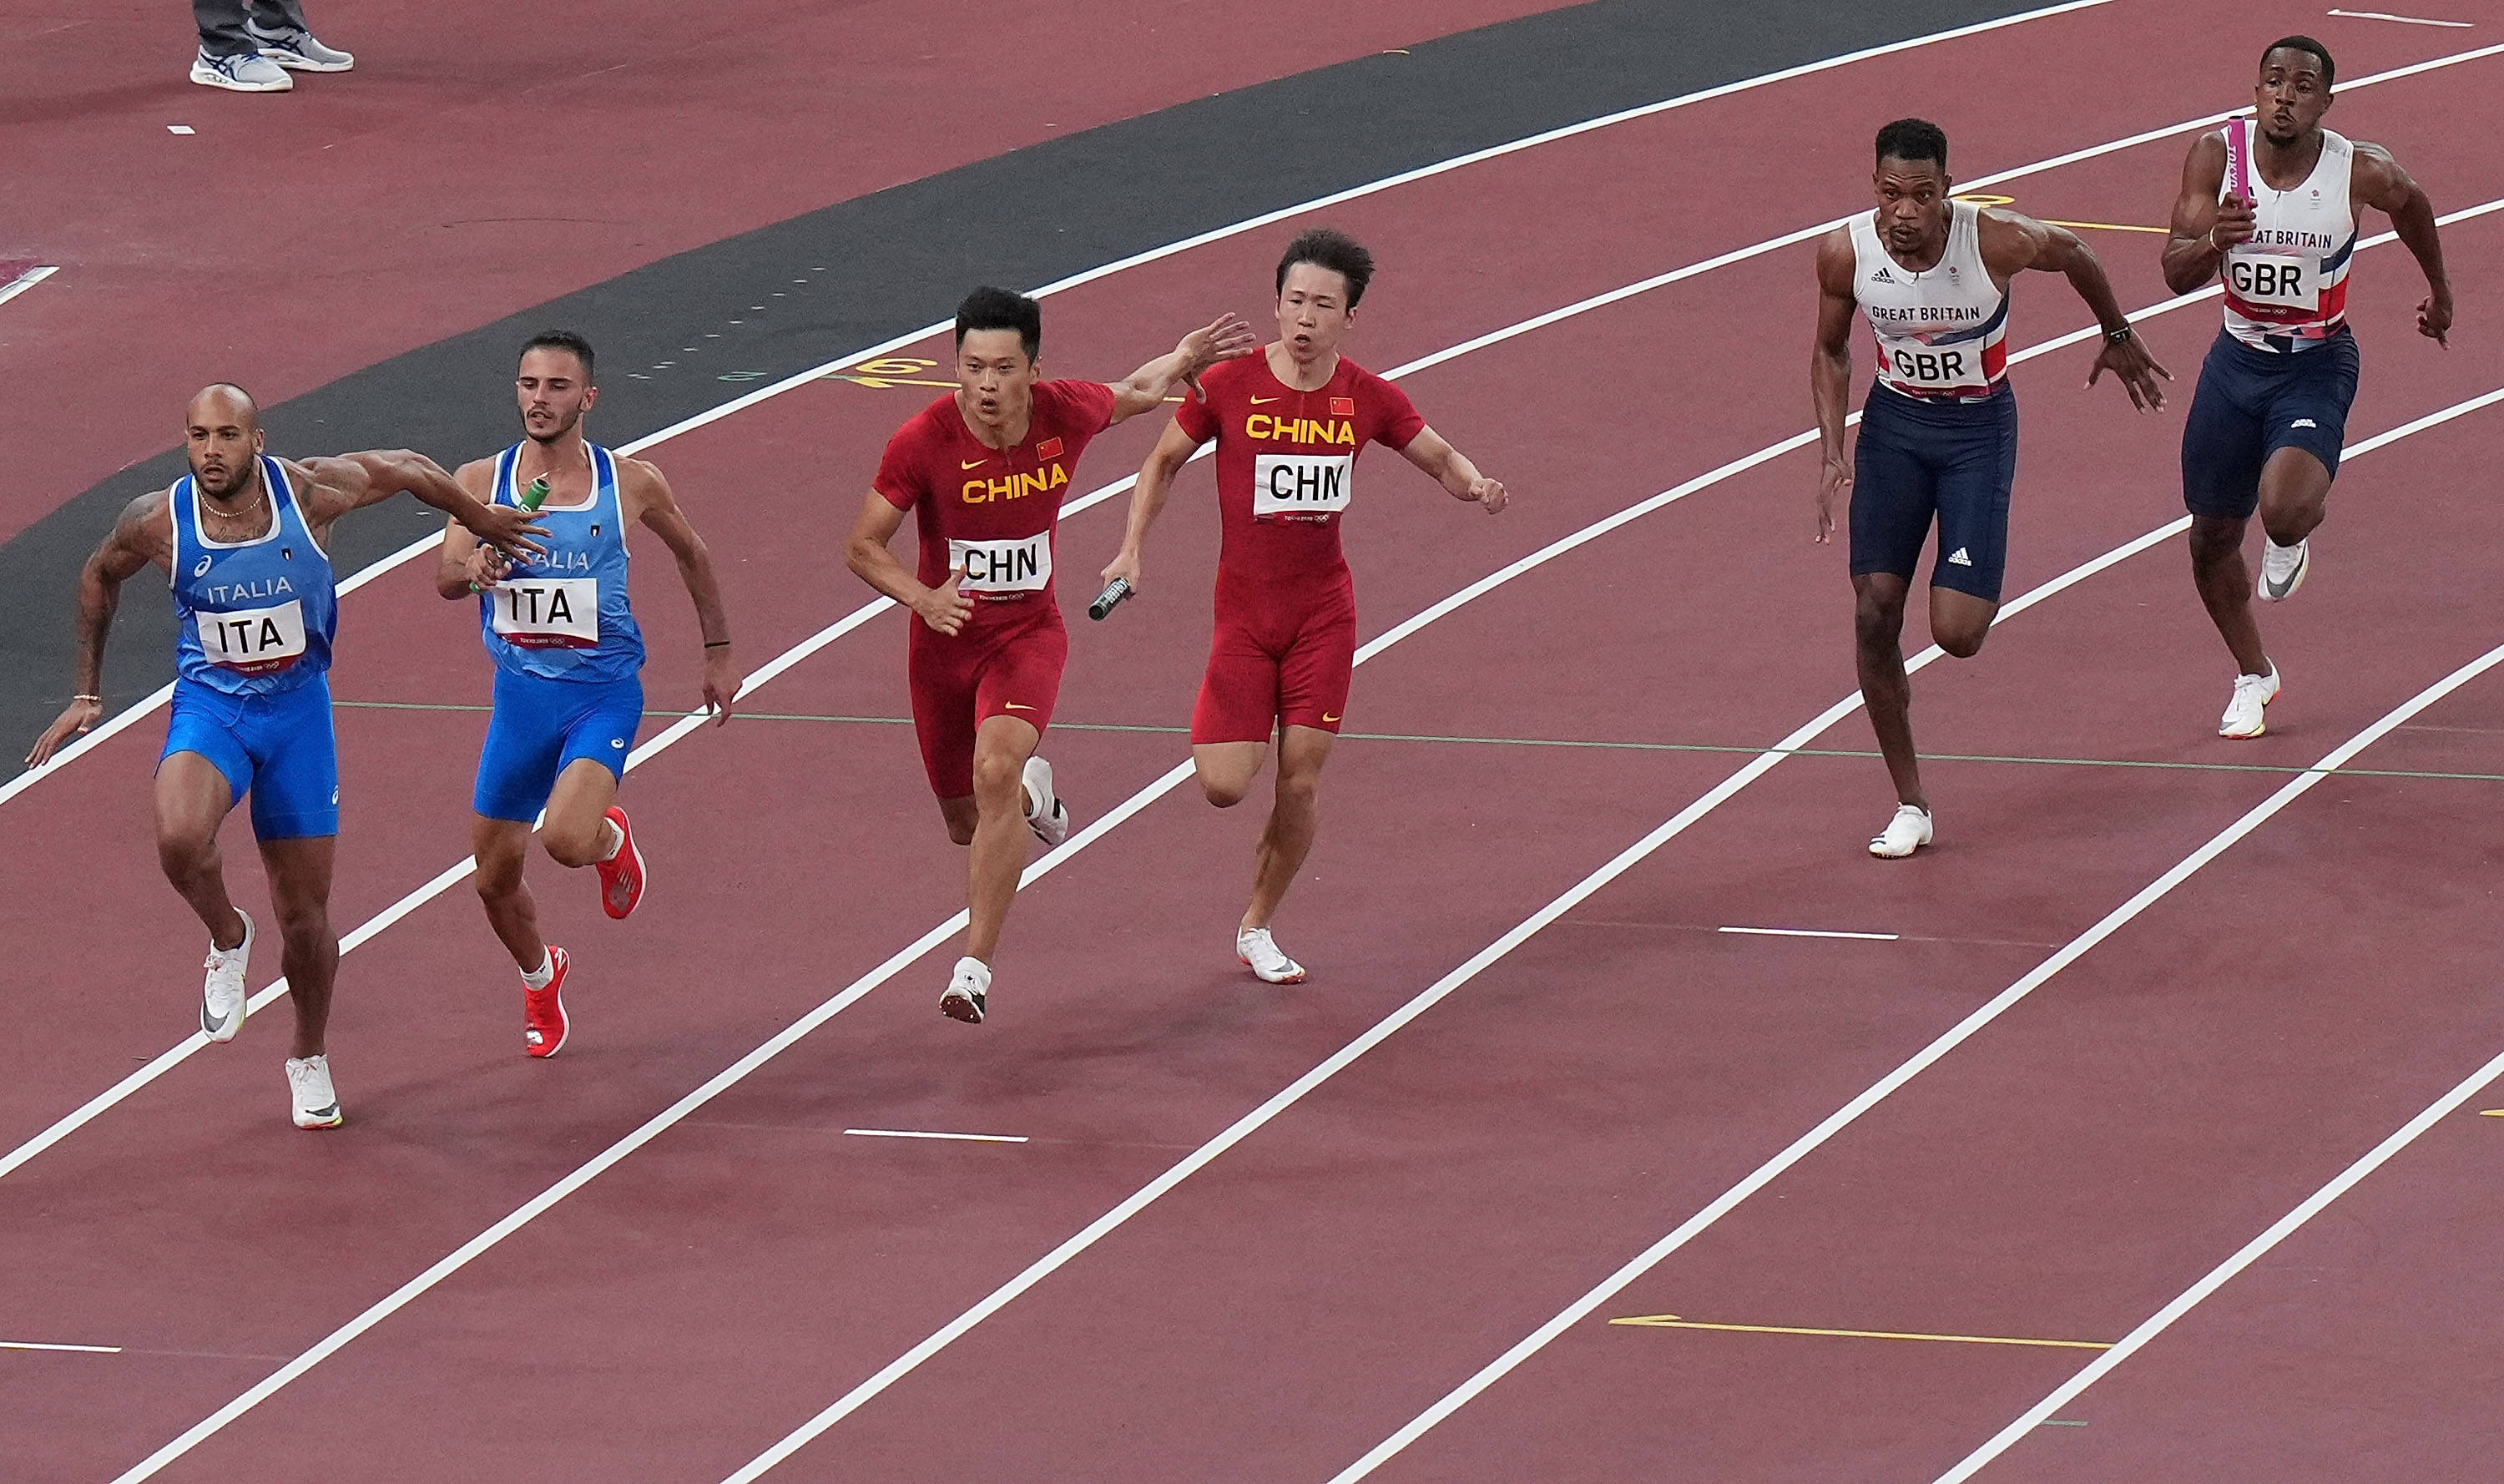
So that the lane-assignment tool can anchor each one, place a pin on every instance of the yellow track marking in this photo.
(1673, 1321)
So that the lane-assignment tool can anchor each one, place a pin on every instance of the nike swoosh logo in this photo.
(977, 463)
(1263, 401)
(1011, 706)
(1327, 716)
(210, 1023)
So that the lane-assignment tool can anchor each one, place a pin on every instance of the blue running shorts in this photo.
(278, 749)
(1918, 461)
(2251, 403)
(540, 727)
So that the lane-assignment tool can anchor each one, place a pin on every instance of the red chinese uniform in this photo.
(1286, 603)
(993, 512)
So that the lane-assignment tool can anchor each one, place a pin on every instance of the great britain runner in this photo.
(1938, 431)
(242, 540)
(1289, 425)
(2272, 200)
(983, 471)
(569, 662)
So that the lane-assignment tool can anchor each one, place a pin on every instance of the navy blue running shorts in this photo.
(2250, 404)
(1919, 461)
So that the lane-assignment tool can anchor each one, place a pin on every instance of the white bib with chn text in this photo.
(255, 639)
(1003, 568)
(549, 612)
(1302, 484)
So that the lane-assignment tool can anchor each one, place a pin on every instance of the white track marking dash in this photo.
(1808, 932)
(914, 1134)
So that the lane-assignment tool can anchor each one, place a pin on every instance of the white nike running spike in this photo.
(1907, 832)
(1044, 812)
(2252, 696)
(1257, 949)
(967, 988)
(223, 1000)
(308, 1082)
(2283, 568)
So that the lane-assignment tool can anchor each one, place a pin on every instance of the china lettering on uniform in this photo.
(1313, 486)
(1001, 569)
(252, 640)
(547, 612)
(1015, 486)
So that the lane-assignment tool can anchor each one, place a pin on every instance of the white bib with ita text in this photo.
(549, 612)
(256, 639)
(1008, 568)
(1313, 485)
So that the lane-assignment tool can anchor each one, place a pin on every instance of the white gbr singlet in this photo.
(1941, 331)
(2286, 290)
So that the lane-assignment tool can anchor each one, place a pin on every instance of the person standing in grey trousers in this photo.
(251, 45)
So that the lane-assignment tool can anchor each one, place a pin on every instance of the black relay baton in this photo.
(1114, 592)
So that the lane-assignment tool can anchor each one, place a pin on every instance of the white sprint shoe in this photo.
(1256, 947)
(243, 72)
(1907, 832)
(295, 49)
(967, 988)
(224, 1002)
(1044, 812)
(2282, 569)
(317, 1103)
(2252, 696)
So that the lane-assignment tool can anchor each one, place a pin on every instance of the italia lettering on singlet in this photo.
(1005, 569)
(1292, 485)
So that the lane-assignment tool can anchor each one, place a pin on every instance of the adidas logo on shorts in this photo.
(1957, 558)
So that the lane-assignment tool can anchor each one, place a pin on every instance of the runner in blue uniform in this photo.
(241, 540)
(568, 660)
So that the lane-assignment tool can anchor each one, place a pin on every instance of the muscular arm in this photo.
(1830, 371)
(2013, 244)
(458, 564)
(2382, 185)
(1148, 499)
(1453, 469)
(141, 537)
(335, 486)
(2195, 249)
(648, 498)
(1222, 338)
(866, 553)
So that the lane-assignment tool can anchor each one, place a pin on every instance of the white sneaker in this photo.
(223, 1000)
(1907, 832)
(1256, 947)
(295, 49)
(2252, 695)
(1044, 813)
(2282, 569)
(317, 1105)
(967, 988)
(243, 72)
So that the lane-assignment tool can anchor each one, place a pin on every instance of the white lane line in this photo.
(72, 1349)
(2252, 1251)
(23, 282)
(1763, 763)
(81, 746)
(1843, 1117)
(914, 1134)
(1808, 932)
(2414, 20)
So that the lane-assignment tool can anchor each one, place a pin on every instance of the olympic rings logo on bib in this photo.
(1301, 486)
(252, 640)
(1002, 570)
(546, 612)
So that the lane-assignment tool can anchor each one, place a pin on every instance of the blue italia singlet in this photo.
(564, 616)
(255, 617)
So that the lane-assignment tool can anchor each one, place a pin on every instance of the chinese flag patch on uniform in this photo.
(1048, 448)
(1343, 406)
